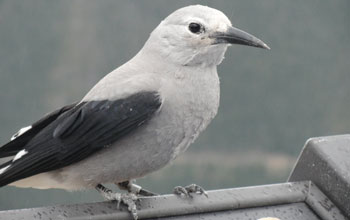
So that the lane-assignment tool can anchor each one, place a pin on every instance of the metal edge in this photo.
(327, 169)
(322, 205)
(171, 205)
(228, 199)
(304, 150)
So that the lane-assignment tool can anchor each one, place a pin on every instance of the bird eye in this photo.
(195, 28)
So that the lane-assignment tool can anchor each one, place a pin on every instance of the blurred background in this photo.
(53, 52)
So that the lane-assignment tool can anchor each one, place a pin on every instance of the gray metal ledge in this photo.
(326, 162)
(293, 201)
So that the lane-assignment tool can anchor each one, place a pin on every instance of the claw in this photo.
(128, 199)
(193, 188)
(180, 190)
(190, 189)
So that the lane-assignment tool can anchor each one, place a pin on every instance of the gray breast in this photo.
(185, 113)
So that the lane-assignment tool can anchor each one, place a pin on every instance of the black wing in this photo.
(81, 131)
(12, 147)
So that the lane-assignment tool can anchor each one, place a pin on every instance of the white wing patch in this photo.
(4, 169)
(20, 132)
(19, 155)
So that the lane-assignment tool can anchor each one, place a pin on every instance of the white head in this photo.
(197, 35)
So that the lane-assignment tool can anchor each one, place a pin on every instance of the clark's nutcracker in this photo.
(137, 118)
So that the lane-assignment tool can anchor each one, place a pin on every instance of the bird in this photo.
(137, 118)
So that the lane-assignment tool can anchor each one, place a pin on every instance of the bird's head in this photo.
(197, 35)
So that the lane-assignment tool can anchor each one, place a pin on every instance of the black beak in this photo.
(237, 36)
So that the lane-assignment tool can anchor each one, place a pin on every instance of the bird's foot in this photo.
(131, 187)
(187, 191)
(128, 199)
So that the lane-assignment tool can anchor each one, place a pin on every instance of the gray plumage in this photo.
(177, 64)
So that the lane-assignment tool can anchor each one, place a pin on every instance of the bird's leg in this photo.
(128, 199)
(131, 187)
(105, 192)
(188, 190)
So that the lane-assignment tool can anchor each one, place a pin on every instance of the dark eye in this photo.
(195, 28)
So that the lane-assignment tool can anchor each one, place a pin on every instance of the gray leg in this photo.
(131, 187)
(128, 199)
(188, 190)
